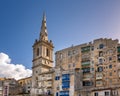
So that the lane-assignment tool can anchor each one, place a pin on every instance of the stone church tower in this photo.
(42, 57)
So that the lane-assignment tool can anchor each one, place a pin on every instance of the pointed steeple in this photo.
(43, 32)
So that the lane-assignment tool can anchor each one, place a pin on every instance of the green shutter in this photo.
(85, 63)
(118, 49)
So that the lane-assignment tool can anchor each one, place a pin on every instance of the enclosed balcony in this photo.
(65, 81)
(85, 49)
(49, 84)
(99, 83)
(86, 70)
(99, 76)
(87, 77)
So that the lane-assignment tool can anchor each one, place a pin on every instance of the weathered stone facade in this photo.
(98, 62)
(26, 85)
(90, 69)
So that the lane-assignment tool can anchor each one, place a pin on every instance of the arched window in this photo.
(47, 52)
(37, 51)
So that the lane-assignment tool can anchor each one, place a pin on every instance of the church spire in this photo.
(43, 32)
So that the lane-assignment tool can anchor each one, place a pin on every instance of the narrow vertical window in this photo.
(37, 51)
(47, 52)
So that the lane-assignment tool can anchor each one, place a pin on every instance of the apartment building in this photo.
(98, 65)
(26, 85)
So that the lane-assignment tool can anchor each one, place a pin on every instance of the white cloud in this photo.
(9, 70)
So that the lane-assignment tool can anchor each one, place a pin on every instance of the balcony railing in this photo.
(99, 78)
(86, 78)
(48, 78)
(87, 63)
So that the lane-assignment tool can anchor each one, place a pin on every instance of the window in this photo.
(48, 92)
(92, 48)
(106, 93)
(87, 83)
(85, 49)
(69, 66)
(21, 83)
(110, 51)
(99, 82)
(86, 70)
(47, 52)
(64, 93)
(110, 73)
(37, 51)
(66, 77)
(118, 56)
(57, 78)
(100, 61)
(57, 94)
(36, 71)
(66, 84)
(100, 69)
(73, 64)
(65, 80)
(110, 66)
(110, 58)
(96, 94)
(36, 78)
(101, 46)
(118, 49)
(92, 62)
(29, 87)
(92, 69)
(69, 53)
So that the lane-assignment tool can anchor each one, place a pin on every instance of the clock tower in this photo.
(42, 56)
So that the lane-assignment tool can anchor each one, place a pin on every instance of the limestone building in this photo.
(42, 63)
(26, 84)
(10, 87)
(90, 69)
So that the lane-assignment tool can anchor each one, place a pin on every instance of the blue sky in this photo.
(68, 22)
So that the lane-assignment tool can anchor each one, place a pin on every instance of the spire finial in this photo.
(43, 33)
(44, 16)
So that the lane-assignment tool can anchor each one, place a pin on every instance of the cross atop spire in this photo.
(44, 16)
(43, 32)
